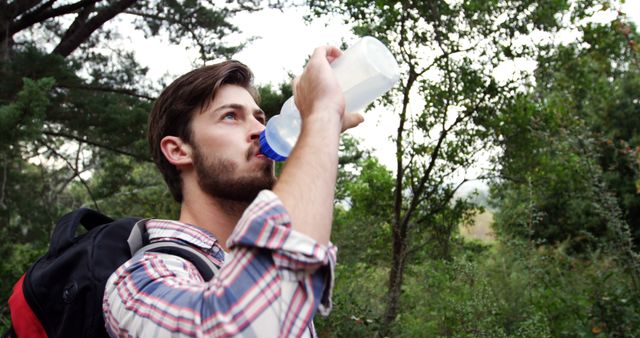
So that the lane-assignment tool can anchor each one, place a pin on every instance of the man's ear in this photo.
(176, 151)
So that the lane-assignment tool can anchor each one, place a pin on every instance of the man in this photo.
(270, 237)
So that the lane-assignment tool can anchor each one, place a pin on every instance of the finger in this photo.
(294, 84)
(329, 53)
(332, 53)
(351, 120)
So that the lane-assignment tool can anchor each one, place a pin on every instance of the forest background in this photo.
(557, 142)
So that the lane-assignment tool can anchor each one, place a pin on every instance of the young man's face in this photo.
(226, 154)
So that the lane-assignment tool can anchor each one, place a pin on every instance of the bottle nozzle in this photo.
(266, 149)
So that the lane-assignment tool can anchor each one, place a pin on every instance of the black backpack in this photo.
(61, 294)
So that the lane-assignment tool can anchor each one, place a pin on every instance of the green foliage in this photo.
(581, 120)
(16, 260)
(72, 134)
(550, 195)
(272, 100)
(199, 21)
(73, 113)
(514, 289)
(23, 118)
(449, 53)
(555, 182)
(568, 171)
(365, 215)
(358, 302)
(122, 186)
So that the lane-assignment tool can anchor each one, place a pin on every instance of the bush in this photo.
(513, 290)
(18, 257)
(358, 302)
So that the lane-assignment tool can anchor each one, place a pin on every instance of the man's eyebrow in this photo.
(239, 106)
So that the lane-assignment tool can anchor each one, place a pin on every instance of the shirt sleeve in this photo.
(271, 286)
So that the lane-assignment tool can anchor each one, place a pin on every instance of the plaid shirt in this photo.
(269, 285)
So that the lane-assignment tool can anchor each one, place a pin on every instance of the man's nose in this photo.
(256, 128)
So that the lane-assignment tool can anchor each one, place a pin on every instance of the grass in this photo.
(480, 229)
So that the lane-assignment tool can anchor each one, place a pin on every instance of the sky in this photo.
(284, 41)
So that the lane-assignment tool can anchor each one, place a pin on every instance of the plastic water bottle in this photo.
(365, 72)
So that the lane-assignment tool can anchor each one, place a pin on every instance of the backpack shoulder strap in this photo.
(138, 236)
(205, 266)
(139, 242)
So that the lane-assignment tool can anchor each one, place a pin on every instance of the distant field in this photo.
(481, 230)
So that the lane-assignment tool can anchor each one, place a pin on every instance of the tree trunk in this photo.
(396, 276)
(5, 37)
(399, 226)
(445, 240)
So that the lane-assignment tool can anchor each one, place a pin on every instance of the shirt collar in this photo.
(160, 229)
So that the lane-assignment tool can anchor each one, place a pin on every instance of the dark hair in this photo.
(174, 109)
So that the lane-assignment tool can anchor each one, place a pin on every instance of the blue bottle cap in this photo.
(266, 150)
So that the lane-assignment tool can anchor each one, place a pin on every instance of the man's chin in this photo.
(242, 189)
(222, 179)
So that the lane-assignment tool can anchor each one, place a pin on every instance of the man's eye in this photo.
(229, 116)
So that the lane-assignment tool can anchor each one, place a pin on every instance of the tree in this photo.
(202, 22)
(445, 102)
(73, 111)
(581, 119)
(91, 100)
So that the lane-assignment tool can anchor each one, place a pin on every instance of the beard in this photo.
(219, 178)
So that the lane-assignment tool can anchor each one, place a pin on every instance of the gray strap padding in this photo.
(138, 237)
(181, 247)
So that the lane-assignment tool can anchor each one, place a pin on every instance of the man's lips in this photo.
(255, 151)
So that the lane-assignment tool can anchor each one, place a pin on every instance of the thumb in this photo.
(351, 120)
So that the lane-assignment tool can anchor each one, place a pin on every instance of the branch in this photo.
(4, 183)
(75, 173)
(447, 98)
(436, 32)
(403, 33)
(400, 150)
(34, 12)
(69, 43)
(16, 8)
(513, 179)
(78, 152)
(96, 144)
(193, 34)
(154, 16)
(407, 170)
(79, 22)
(435, 154)
(445, 201)
(69, 180)
(110, 90)
(41, 14)
(446, 55)
(425, 177)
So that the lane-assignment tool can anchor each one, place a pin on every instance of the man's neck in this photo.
(215, 215)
